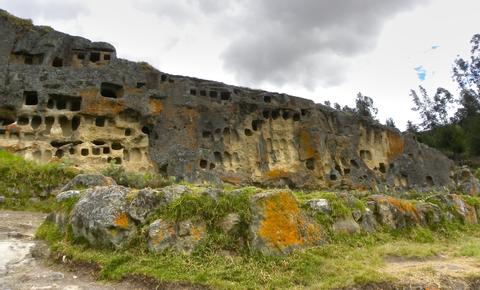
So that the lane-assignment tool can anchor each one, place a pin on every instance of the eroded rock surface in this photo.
(67, 97)
(101, 217)
(279, 225)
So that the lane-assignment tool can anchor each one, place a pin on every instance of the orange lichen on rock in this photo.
(122, 221)
(396, 144)
(156, 106)
(307, 149)
(283, 225)
(277, 173)
(94, 104)
(198, 231)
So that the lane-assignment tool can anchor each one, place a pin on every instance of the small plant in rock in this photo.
(135, 180)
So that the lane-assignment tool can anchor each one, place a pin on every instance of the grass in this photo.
(345, 261)
(134, 179)
(22, 180)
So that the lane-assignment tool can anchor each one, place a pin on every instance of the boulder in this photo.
(2, 199)
(279, 225)
(144, 203)
(173, 192)
(395, 213)
(346, 226)
(183, 236)
(320, 205)
(62, 196)
(82, 181)
(367, 221)
(463, 210)
(229, 222)
(466, 181)
(101, 216)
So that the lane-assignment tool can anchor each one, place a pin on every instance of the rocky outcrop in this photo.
(101, 216)
(279, 225)
(67, 97)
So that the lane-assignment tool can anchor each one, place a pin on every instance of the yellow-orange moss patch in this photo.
(284, 225)
(404, 207)
(122, 221)
(156, 106)
(198, 232)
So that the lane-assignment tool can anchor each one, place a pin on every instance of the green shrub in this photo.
(135, 180)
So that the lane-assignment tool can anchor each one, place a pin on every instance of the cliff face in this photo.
(65, 97)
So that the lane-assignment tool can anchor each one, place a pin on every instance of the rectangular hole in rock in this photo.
(96, 151)
(100, 121)
(31, 98)
(94, 56)
(110, 90)
(225, 96)
(106, 56)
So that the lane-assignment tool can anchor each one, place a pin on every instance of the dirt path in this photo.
(20, 267)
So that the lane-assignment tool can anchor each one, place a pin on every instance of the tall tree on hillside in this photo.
(364, 106)
(433, 111)
(390, 123)
(467, 75)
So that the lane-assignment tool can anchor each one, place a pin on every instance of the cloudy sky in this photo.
(317, 49)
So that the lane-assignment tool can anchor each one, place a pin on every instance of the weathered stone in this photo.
(60, 218)
(82, 181)
(279, 225)
(319, 205)
(144, 203)
(173, 192)
(368, 221)
(63, 96)
(183, 236)
(395, 213)
(101, 216)
(161, 235)
(2, 199)
(346, 226)
(62, 196)
(229, 222)
(466, 182)
(466, 212)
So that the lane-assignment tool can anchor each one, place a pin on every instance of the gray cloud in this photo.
(307, 42)
(52, 9)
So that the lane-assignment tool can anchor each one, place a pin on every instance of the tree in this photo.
(364, 106)
(390, 123)
(411, 128)
(433, 112)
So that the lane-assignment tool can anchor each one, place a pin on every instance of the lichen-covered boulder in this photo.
(101, 216)
(319, 205)
(173, 192)
(466, 182)
(463, 210)
(279, 225)
(183, 236)
(346, 226)
(395, 213)
(62, 196)
(87, 181)
(144, 202)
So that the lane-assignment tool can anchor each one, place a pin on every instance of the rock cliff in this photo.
(65, 97)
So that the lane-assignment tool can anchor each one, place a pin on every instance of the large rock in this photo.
(395, 213)
(144, 203)
(101, 216)
(183, 236)
(83, 181)
(466, 182)
(279, 225)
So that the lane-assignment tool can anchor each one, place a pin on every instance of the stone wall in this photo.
(65, 97)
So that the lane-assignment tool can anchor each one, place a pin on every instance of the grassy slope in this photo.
(22, 180)
(344, 261)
